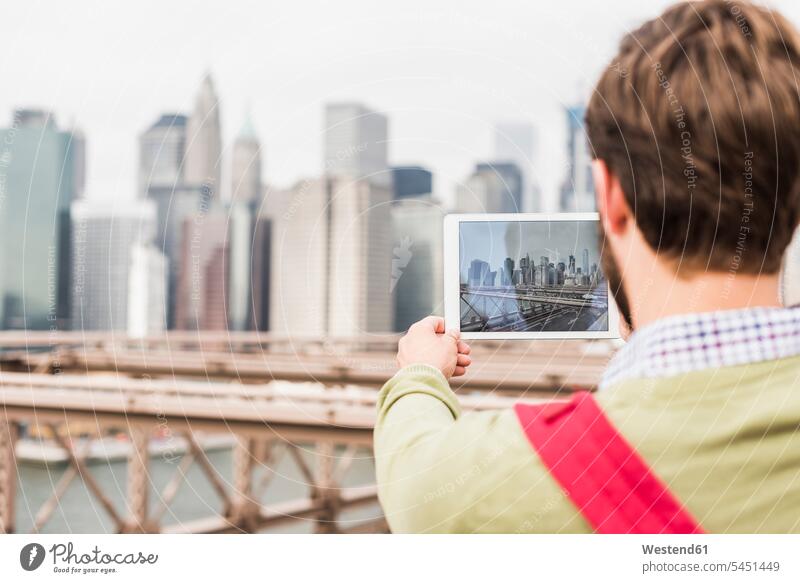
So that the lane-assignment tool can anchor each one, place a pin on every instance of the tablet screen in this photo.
(531, 276)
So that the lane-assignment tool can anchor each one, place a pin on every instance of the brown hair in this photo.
(698, 116)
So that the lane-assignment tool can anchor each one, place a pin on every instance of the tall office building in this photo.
(508, 272)
(215, 311)
(543, 267)
(41, 172)
(261, 274)
(526, 267)
(360, 258)
(203, 157)
(477, 273)
(417, 257)
(359, 191)
(246, 166)
(300, 259)
(202, 273)
(331, 262)
(577, 191)
(104, 235)
(411, 182)
(161, 151)
(515, 142)
(332, 238)
(356, 139)
(173, 208)
(78, 151)
(492, 188)
(245, 203)
(240, 246)
(147, 291)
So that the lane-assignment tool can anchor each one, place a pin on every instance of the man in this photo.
(695, 135)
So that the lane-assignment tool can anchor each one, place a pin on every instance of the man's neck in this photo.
(668, 295)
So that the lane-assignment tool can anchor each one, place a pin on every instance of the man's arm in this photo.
(441, 471)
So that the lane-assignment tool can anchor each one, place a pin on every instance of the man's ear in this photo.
(611, 203)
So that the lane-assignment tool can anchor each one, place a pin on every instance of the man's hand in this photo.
(427, 342)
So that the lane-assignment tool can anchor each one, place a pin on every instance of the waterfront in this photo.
(80, 512)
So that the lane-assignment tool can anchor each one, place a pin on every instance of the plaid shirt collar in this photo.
(693, 342)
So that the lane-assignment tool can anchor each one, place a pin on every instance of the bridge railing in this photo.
(311, 402)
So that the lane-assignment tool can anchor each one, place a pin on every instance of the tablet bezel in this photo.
(452, 299)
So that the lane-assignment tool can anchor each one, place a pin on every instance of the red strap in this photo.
(612, 486)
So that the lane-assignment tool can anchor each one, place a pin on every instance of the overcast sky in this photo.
(494, 241)
(444, 72)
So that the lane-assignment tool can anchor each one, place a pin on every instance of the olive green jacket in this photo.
(726, 441)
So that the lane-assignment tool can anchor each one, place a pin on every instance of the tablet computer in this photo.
(526, 276)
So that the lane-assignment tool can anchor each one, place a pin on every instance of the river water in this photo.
(80, 512)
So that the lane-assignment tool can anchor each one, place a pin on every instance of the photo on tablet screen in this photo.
(531, 276)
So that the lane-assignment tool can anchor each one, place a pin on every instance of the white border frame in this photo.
(452, 300)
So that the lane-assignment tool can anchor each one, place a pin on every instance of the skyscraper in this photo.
(514, 141)
(356, 140)
(161, 151)
(300, 259)
(543, 264)
(417, 260)
(508, 271)
(162, 147)
(331, 238)
(477, 272)
(202, 272)
(41, 170)
(411, 181)
(245, 204)
(163, 179)
(526, 267)
(246, 166)
(359, 191)
(240, 246)
(577, 191)
(147, 291)
(104, 236)
(261, 274)
(204, 140)
(585, 262)
(360, 257)
(78, 150)
(492, 188)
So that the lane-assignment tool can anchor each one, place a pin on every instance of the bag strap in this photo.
(609, 482)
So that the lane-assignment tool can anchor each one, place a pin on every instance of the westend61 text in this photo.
(675, 550)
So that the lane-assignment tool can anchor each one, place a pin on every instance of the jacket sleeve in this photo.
(441, 471)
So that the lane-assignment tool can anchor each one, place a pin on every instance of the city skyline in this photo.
(263, 64)
(495, 241)
(531, 276)
(197, 260)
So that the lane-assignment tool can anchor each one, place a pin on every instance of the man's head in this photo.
(695, 131)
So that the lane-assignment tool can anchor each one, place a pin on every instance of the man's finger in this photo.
(463, 347)
(454, 333)
(435, 323)
(459, 371)
(463, 360)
